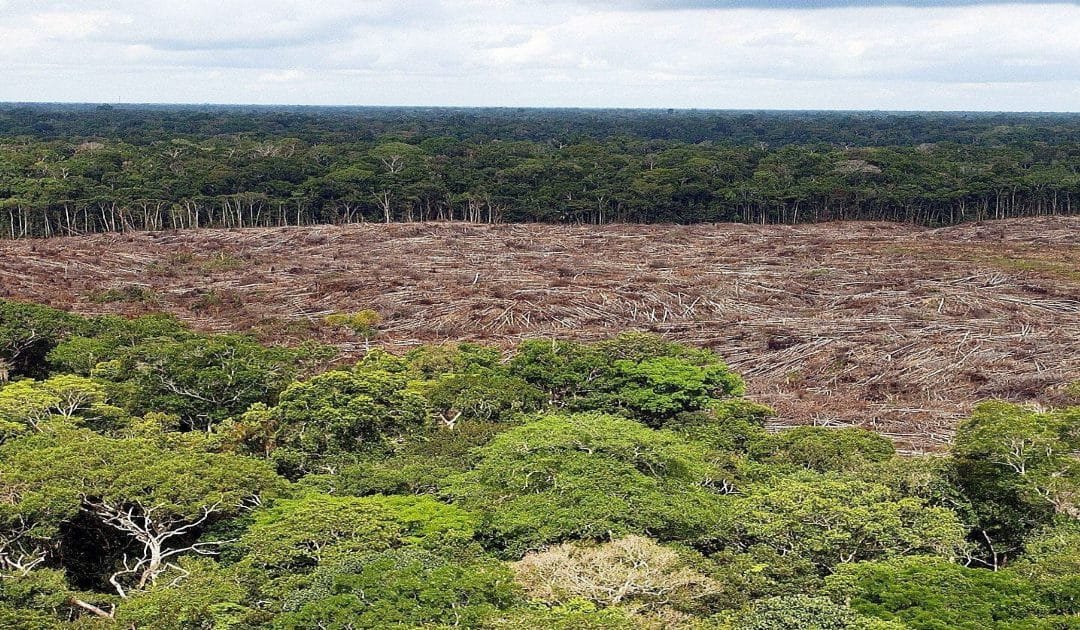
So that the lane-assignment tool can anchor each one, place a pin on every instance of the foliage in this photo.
(823, 450)
(422, 464)
(45, 592)
(109, 337)
(297, 534)
(1017, 467)
(29, 405)
(760, 572)
(333, 414)
(24, 406)
(831, 519)
(432, 361)
(155, 364)
(640, 376)
(576, 615)
(1072, 391)
(363, 324)
(481, 394)
(731, 425)
(633, 570)
(208, 596)
(57, 471)
(27, 333)
(401, 588)
(205, 380)
(23, 619)
(933, 593)
(616, 484)
(1051, 561)
(589, 476)
(68, 169)
(931, 478)
(804, 612)
(75, 485)
(1034, 450)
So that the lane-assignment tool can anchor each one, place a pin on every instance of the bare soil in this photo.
(891, 327)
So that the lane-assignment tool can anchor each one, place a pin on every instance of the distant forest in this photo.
(74, 169)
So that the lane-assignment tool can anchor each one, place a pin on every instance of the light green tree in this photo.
(363, 324)
(1033, 451)
(157, 500)
(591, 476)
(832, 519)
(336, 414)
(29, 405)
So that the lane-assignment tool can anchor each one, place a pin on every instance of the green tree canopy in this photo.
(832, 519)
(298, 534)
(640, 376)
(334, 414)
(590, 476)
(401, 588)
(154, 499)
(822, 449)
(927, 593)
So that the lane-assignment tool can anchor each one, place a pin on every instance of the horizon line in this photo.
(657, 108)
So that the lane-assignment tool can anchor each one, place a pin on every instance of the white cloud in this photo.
(73, 24)
(282, 76)
(512, 52)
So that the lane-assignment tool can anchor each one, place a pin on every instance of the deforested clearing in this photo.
(896, 328)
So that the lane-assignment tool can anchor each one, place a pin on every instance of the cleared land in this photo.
(891, 327)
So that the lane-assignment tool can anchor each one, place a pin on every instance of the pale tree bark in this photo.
(99, 612)
(383, 199)
(18, 556)
(154, 532)
(394, 163)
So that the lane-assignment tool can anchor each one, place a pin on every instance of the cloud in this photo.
(668, 5)
(282, 76)
(212, 25)
(754, 53)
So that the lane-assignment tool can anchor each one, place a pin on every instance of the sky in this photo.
(709, 54)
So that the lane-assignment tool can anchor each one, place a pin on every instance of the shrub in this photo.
(363, 324)
(127, 293)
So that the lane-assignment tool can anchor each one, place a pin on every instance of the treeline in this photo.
(154, 176)
(146, 124)
(60, 188)
(152, 477)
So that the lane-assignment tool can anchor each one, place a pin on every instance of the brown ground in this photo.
(891, 327)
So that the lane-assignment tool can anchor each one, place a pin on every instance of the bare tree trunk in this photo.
(153, 533)
(383, 199)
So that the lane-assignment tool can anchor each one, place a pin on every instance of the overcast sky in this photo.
(779, 54)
